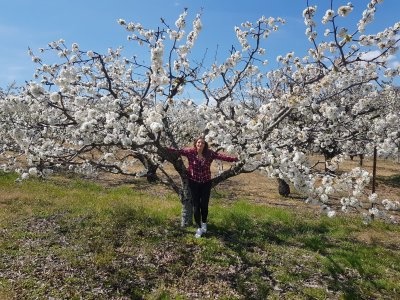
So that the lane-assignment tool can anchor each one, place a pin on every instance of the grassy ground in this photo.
(73, 239)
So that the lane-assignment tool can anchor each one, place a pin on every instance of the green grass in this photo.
(74, 239)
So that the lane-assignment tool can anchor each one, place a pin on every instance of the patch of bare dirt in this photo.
(387, 239)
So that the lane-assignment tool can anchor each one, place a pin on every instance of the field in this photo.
(73, 238)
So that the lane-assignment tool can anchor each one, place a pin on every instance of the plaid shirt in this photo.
(199, 168)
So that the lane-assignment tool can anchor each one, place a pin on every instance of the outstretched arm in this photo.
(225, 157)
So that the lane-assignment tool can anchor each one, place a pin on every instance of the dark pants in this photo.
(200, 197)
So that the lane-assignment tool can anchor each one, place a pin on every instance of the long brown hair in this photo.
(205, 149)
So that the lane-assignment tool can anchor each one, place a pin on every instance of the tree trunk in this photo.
(184, 191)
(187, 206)
(361, 159)
(283, 187)
(151, 168)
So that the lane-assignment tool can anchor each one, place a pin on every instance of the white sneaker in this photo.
(199, 232)
(204, 227)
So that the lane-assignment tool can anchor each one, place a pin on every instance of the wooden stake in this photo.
(374, 170)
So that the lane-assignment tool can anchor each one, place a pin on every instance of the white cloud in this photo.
(393, 60)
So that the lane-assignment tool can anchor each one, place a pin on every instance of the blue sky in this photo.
(93, 25)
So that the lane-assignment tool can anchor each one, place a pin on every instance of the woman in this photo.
(200, 158)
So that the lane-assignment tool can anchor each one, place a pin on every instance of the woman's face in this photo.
(200, 145)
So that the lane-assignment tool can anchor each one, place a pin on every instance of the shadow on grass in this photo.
(342, 270)
(125, 251)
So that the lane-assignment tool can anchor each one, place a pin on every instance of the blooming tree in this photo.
(386, 128)
(95, 111)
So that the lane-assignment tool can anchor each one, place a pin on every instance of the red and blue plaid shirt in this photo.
(199, 169)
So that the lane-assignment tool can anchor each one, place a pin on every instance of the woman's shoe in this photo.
(204, 227)
(199, 232)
